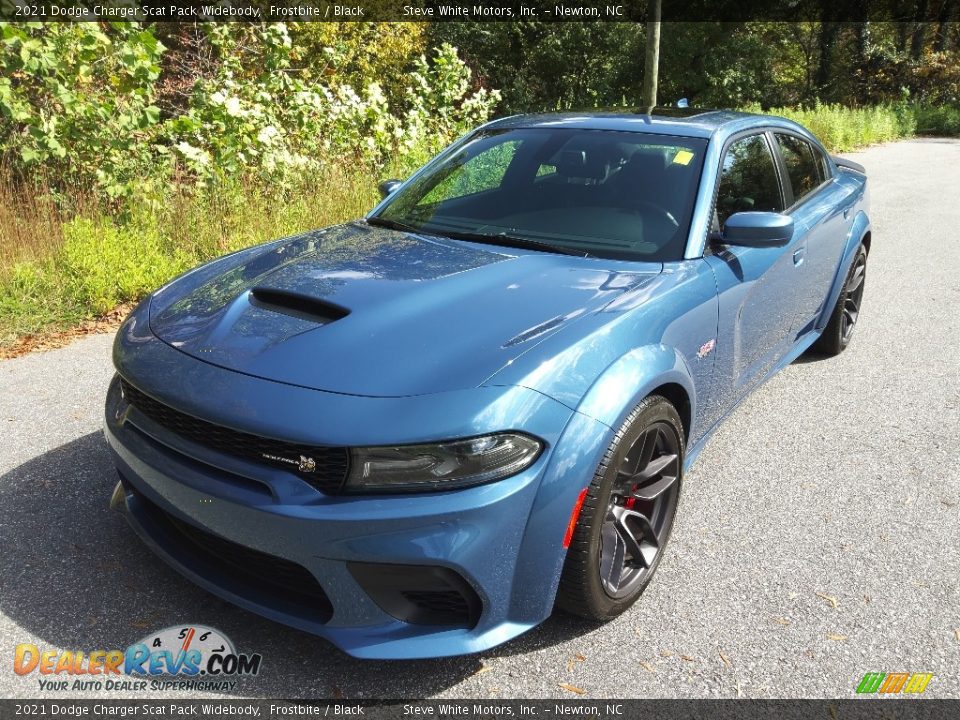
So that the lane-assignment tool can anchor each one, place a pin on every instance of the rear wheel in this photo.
(627, 514)
(839, 331)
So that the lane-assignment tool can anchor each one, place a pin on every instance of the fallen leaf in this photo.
(829, 598)
(574, 660)
(867, 599)
(833, 712)
(484, 669)
(725, 659)
(948, 503)
(648, 667)
(667, 653)
(781, 620)
(59, 338)
(838, 638)
(337, 693)
(688, 658)
(956, 634)
(572, 688)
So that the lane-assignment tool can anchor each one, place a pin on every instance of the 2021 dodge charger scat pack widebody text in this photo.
(416, 433)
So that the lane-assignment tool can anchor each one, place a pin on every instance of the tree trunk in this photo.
(919, 30)
(828, 40)
(947, 10)
(651, 66)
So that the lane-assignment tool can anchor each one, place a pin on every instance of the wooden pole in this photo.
(652, 64)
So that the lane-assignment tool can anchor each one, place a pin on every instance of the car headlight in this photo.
(441, 466)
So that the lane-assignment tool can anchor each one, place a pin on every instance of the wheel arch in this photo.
(677, 396)
(860, 234)
(644, 371)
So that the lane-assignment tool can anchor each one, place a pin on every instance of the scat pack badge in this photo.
(185, 657)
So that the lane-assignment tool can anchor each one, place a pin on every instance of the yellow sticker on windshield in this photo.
(683, 157)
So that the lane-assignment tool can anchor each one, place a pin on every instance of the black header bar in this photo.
(453, 10)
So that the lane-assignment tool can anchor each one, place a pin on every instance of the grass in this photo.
(64, 262)
(842, 129)
(58, 269)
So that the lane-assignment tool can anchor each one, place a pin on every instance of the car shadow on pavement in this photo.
(76, 577)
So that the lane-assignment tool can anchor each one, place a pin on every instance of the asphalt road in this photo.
(817, 538)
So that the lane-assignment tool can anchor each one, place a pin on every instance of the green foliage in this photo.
(102, 264)
(77, 101)
(541, 66)
(840, 128)
(354, 53)
(278, 125)
(937, 120)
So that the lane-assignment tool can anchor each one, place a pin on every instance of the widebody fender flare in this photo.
(604, 407)
(631, 378)
(859, 230)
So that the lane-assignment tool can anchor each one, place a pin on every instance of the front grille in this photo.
(257, 570)
(325, 468)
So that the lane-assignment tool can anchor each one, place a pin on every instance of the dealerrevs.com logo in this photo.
(182, 657)
(894, 683)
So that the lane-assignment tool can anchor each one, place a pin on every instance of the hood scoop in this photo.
(297, 305)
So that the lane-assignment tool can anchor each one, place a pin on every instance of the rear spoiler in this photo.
(849, 165)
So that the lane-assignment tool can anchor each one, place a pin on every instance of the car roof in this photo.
(688, 122)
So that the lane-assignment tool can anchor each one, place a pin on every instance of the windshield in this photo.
(623, 195)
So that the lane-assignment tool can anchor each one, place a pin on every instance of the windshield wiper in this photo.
(502, 239)
(392, 224)
(513, 241)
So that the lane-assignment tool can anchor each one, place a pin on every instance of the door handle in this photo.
(846, 213)
(798, 256)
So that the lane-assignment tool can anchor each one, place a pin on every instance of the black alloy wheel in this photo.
(641, 508)
(853, 296)
(627, 514)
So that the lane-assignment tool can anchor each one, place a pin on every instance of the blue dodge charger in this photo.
(417, 433)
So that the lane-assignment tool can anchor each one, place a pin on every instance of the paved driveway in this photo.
(817, 538)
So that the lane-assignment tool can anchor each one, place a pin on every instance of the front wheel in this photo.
(627, 514)
(839, 331)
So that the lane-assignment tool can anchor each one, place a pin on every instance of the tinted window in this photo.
(607, 193)
(804, 164)
(748, 179)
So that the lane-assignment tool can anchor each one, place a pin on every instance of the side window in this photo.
(748, 179)
(804, 163)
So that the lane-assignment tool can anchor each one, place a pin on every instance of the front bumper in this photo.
(504, 539)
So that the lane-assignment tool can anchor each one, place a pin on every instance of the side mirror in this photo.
(388, 186)
(758, 229)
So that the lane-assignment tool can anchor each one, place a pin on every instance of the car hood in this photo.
(364, 310)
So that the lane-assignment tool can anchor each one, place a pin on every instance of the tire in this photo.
(843, 320)
(590, 584)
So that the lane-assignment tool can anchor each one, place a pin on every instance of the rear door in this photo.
(822, 207)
